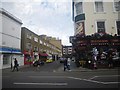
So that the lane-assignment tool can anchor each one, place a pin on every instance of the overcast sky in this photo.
(49, 17)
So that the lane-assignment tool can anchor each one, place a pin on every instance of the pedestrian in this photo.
(68, 63)
(38, 64)
(110, 61)
(65, 64)
(15, 65)
(95, 53)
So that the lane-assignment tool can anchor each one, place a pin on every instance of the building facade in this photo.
(96, 25)
(33, 46)
(67, 51)
(57, 43)
(10, 46)
(96, 16)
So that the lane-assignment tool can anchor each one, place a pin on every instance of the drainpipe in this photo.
(11, 60)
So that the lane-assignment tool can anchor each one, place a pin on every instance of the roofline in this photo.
(3, 11)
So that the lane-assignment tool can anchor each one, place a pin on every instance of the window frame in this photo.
(114, 9)
(35, 39)
(102, 6)
(77, 9)
(97, 26)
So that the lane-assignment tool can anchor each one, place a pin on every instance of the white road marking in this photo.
(94, 81)
(47, 76)
(105, 76)
(56, 84)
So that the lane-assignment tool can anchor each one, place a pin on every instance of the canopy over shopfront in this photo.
(43, 54)
(89, 42)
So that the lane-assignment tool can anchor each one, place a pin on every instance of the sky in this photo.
(49, 17)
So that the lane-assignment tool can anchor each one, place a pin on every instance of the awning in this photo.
(49, 54)
(43, 54)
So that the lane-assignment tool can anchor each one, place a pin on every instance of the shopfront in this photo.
(8, 55)
(83, 47)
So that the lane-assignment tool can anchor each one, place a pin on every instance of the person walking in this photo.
(110, 61)
(65, 64)
(68, 64)
(15, 65)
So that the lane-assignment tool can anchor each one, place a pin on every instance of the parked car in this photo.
(62, 60)
(36, 63)
(49, 60)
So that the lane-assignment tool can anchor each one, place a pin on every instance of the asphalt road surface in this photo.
(51, 75)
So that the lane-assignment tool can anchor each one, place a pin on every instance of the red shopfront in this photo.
(43, 56)
(28, 57)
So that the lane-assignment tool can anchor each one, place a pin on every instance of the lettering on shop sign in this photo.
(99, 41)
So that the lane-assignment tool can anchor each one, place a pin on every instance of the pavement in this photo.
(89, 70)
(74, 69)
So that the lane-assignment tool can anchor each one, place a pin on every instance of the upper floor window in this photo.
(35, 39)
(35, 48)
(101, 26)
(99, 6)
(44, 43)
(117, 5)
(28, 46)
(69, 52)
(29, 36)
(41, 42)
(79, 8)
(70, 49)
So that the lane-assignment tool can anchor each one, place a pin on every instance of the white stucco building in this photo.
(96, 16)
(10, 38)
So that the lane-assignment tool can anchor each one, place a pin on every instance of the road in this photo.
(51, 75)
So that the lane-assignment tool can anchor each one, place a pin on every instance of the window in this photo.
(6, 59)
(79, 8)
(28, 46)
(69, 52)
(41, 42)
(63, 52)
(101, 27)
(99, 6)
(117, 6)
(35, 49)
(118, 27)
(44, 43)
(35, 39)
(29, 36)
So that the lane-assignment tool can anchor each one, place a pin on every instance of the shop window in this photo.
(6, 59)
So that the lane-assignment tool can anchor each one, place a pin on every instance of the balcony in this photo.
(80, 17)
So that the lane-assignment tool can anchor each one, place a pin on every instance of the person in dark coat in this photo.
(65, 64)
(110, 60)
(15, 65)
